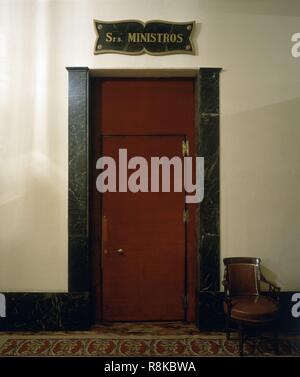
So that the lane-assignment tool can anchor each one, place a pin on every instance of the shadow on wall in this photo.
(260, 185)
(270, 275)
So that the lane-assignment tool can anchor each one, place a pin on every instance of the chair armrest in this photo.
(227, 298)
(226, 287)
(274, 289)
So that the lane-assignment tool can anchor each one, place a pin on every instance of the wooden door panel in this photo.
(147, 106)
(147, 282)
(140, 106)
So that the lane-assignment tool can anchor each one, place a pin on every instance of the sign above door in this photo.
(136, 37)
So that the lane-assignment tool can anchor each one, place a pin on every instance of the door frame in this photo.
(80, 180)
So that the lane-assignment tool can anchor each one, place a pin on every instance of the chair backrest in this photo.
(242, 275)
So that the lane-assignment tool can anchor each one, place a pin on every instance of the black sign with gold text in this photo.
(135, 37)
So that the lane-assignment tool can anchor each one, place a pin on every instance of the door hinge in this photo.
(185, 215)
(185, 147)
(185, 302)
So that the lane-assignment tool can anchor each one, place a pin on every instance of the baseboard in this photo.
(72, 311)
(46, 312)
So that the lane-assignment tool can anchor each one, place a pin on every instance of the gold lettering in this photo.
(150, 37)
(166, 38)
(179, 38)
(132, 37)
(173, 38)
(159, 37)
(108, 37)
(143, 37)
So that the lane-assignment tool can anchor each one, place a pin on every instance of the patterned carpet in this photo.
(144, 339)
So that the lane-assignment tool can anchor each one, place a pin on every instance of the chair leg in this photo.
(227, 328)
(275, 340)
(255, 341)
(241, 339)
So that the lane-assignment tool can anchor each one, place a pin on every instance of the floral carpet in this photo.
(150, 339)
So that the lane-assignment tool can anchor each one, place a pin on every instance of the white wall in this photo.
(260, 132)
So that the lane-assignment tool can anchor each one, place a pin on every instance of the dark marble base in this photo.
(287, 321)
(72, 311)
(210, 311)
(211, 315)
(46, 312)
(209, 145)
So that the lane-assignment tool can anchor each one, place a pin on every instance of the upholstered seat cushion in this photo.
(252, 308)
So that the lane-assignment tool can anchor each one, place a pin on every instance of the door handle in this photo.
(120, 252)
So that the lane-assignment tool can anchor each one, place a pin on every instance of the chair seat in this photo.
(252, 308)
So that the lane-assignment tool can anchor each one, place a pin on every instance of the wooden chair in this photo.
(244, 304)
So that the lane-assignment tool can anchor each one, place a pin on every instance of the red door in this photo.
(143, 234)
(149, 280)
